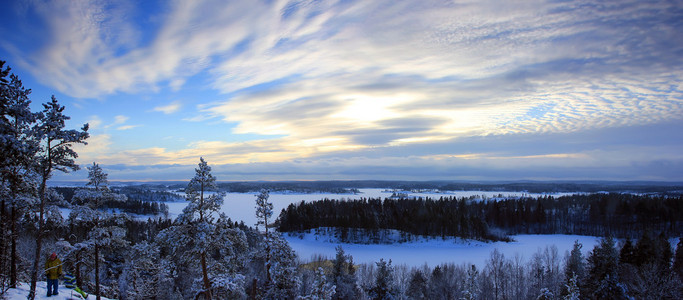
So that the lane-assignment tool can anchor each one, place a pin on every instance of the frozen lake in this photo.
(436, 251)
(240, 206)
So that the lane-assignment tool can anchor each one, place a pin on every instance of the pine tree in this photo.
(18, 146)
(96, 176)
(264, 210)
(55, 153)
(202, 233)
(198, 213)
(105, 230)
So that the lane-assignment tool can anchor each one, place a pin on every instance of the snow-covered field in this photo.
(21, 292)
(436, 251)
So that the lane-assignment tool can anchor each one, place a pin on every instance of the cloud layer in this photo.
(329, 83)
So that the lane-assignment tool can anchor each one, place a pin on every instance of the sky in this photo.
(341, 90)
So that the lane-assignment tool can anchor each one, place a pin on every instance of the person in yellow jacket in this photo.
(53, 269)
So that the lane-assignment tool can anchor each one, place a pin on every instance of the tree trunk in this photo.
(4, 243)
(205, 273)
(97, 271)
(39, 241)
(79, 281)
(268, 277)
(13, 255)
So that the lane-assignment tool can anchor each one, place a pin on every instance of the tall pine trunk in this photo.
(13, 251)
(205, 273)
(39, 240)
(97, 271)
(4, 243)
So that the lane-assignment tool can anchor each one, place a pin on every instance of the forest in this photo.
(614, 214)
(203, 254)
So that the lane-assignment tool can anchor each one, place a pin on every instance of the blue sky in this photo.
(415, 90)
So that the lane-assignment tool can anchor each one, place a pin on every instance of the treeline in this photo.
(620, 215)
(134, 201)
(143, 193)
(304, 187)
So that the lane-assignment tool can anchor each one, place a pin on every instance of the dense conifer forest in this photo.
(618, 215)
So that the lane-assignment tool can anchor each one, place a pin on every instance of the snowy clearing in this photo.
(437, 251)
(21, 292)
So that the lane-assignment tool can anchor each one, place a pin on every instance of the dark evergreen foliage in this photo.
(622, 215)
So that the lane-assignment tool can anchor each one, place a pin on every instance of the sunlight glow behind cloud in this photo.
(309, 80)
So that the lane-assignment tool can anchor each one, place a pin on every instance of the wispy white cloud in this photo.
(336, 77)
(170, 108)
(120, 119)
(127, 127)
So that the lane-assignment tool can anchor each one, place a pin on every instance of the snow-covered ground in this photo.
(437, 251)
(240, 206)
(21, 292)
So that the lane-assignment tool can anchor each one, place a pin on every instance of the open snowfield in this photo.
(21, 292)
(436, 251)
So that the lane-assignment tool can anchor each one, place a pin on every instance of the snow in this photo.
(437, 251)
(241, 206)
(21, 292)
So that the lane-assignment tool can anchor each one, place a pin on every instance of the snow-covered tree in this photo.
(104, 229)
(264, 210)
(284, 282)
(497, 270)
(574, 266)
(545, 294)
(383, 289)
(140, 278)
(572, 288)
(343, 276)
(321, 289)
(417, 288)
(202, 233)
(471, 284)
(97, 177)
(18, 146)
(55, 153)
(602, 274)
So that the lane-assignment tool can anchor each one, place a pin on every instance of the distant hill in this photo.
(350, 186)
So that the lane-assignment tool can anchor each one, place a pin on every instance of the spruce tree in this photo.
(384, 288)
